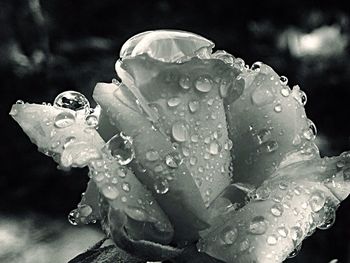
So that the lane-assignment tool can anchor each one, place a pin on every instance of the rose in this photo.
(202, 150)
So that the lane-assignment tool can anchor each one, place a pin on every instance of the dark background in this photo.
(47, 47)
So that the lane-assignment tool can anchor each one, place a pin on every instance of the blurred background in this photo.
(47, 47)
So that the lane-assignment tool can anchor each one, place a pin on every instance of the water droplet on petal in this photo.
(263, 135)
(173, 102)
(204, 84)
(85, 210)
(152, 155)
(72, 100)
(258, 225)
(120, 147)
(262, 96)
(126, 187)
(285, 92)
(271, 240)
(303, 97)
(282, 231)
(295, 252)
(110, 192)
(229, 235)
(283, 80)
(256, 66)
(228, 145)
(136, 213)
(278, 108)
(214, 148)
(329, 219)
(317, 201)
(179, 131)
(72, 217)
(91, 120)
(277, 210)
(185, 82)
(161, 186)
(296, 234)
(64, 120)
(173, 160)
(193, 106)
(20, 102)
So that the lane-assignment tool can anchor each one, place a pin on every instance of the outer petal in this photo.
(73, 143)
(266, 122)
(286, 209)
(165, 174)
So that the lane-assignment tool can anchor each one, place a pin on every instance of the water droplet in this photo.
(278, 108)
(185, 82)
(64, 120)
(244, 245)
(179, 131)
(193, 160)
(256, 66)
(72, 217)
(20, 102)
(224, 87)
(311, 132)
(136, 213)
(270, 146)
(193, 106)
(263, 135)
(262, 96)
(85, 210)
(121, 173)
(72, 100)
(228, 145)
(110, 192)
(271, 240)
(296, 234)
(317, 201)
(277, 210)
(285, 91)
(161, 186)
(173, 102)
(282, 231)
(295, 252)
(297, 140)
(229, 235)
(329, 219)
(194, 138)
(120, 147)
(283, 185)
(91, 120)
(126, 187)
(69, 140)
(173, 160)
(303, 97)
(214, 148)
(258, 225)
(204, 84)
(283, 80)
(152, 155)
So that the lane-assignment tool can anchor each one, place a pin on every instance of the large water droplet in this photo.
(64, 120)
(329, 219)
(258, 225)
(283, 80)
(179, 131)
(282, 231)
(317, 201)
(91, 120)
(229, 235)
(278, 108)
(263, 135)
(256, 66)
(303, 97)
(285, 91)
(72, 100)
(173, 160)
(204, 84)
(19, 102)
(214, 148)
(120, 147)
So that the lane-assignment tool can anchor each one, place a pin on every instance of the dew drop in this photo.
(256, 66)
(282, 231)
(194, 138)
(295, 252)
(179, 131)
(277, 210)
(72, 217)
(278, 108)
(214, 148)
(303, 97)
(161, 186)
(271, 240)
(173, 102)
(121, 173)
(72, 100)
(185, 82)
(258, 225)
(120, 147)
(20, 102)
(110, 192)
(229, 235)
(85, 210)
(329, 219)
(283, 80)
(136, 213)
(173, 160)
(271, 146)
(285, 92)
(126, 187)
(228, 145)
(193, 106)
(91, 120)
(152, 155)
(317, 201)
(64, 120)
(193, 160)
(203, 84)
(296, 234)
